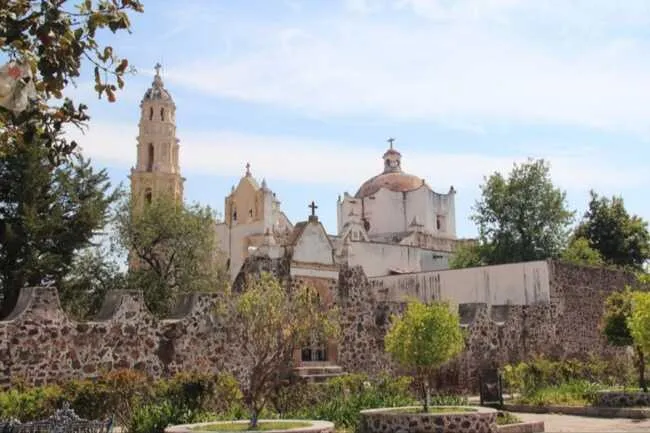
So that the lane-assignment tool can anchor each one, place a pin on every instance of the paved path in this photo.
(570, 423)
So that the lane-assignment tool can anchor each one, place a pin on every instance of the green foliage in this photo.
(505, 418)
(618, 308)
(30, 404)
(93, 273)
(527, 378)
(579, 252)
(49, 215)
(639, 321)
(340, 399)
(53, 38)
(572, 393)
(621, 239)
(424, 338)
(272, 323)
(467, 256)
(175, 249)
(523, 217)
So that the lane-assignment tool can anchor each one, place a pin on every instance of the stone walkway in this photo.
(570, 423)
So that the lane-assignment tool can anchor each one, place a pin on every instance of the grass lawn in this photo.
(261, 426)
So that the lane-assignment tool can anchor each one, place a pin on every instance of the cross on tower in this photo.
(390, 141)
(157, 67)
(313, 208)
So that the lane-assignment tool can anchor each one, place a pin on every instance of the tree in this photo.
(579, 252)
(423, 339)
(621, 239)
(467, 256)
(616, 325)
(46, 43)
(172, 249)
(523, 217)
(92, 275)
(638, 323)
(47, 215)
(270, 323)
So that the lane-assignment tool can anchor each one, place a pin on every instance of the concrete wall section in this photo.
(516, 284)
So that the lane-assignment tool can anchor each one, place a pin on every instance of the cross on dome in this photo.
(248, 169)
(157, 67)
(390, 141)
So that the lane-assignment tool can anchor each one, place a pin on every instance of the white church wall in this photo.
(345, 207)
(378, 259)
(313, 246)
(385, 211)
(232, 240)
(419, 203)
(516, 284)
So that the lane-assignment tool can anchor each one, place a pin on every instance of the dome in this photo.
(397, 182)
(157, 90)
(393, 178)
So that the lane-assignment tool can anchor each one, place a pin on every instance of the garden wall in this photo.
(40, 344)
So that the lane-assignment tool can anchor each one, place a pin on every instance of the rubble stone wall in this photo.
(40, 344)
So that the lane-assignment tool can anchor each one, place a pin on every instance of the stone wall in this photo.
(41, 344)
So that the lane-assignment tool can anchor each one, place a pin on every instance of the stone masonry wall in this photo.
(39, 343)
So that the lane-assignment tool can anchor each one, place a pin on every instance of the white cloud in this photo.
(474, 63)
(299, 160)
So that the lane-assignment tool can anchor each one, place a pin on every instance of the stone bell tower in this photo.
(157, 171)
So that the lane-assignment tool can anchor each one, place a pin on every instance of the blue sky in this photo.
(307, 91)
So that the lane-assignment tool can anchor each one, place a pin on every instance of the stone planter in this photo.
(314, 427)
(397, 420)
(622, 399)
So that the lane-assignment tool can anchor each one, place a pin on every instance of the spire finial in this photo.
(248, 169)
(157, 67)
(390, 141)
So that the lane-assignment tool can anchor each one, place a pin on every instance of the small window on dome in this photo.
(150, 113)
(162, 113)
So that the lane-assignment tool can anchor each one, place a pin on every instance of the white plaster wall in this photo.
(377, 259)
(313, 246)
(516, 283)
(344, 208)
(385, 211)
(232, 242)
(419, 203)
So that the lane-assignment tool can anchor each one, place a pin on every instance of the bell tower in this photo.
(157, 171)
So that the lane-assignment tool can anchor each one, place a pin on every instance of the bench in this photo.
(64, 420)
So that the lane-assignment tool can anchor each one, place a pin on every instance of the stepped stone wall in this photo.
(40, 344)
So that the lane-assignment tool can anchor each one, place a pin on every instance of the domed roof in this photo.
(393, 178)
(398, 182)
(157, 90)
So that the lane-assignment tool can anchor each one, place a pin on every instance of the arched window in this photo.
(234, 215)
(150, 113)
(162, 113)
(148, 196)
(250, 213)
(150, 156)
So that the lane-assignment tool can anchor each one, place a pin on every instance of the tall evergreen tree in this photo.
(47, 214)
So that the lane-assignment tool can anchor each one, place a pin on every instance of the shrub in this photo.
(30, 404)
(505, 418)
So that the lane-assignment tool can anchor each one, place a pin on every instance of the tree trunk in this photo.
(425, 393)
(641, 367)
(254, 415)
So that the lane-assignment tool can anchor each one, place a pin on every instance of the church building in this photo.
(395, 223)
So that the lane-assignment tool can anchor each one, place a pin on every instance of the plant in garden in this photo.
(423, 339)
(617, 325)
(638, 323)
(270, 323)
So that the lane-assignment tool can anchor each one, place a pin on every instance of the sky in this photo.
(308, 91)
